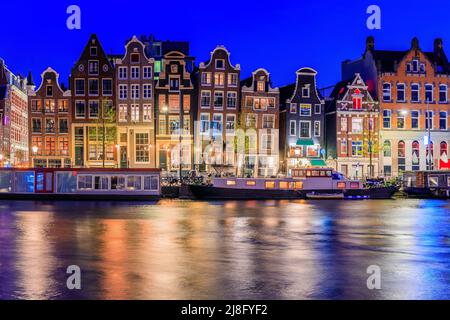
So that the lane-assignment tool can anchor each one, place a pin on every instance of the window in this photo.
(134, 91)
(443, 93)
(443, 155)
(270, 184)
(63, 106)
(415, 93)
(174, 84)
(36, 105)
(93, 87)
(219, 79)
(49, 106)
(387, 149)
(344, 149)
(318, 109)
(429, 119)
(135, 112)
(386, 92)
(357, 148)
(206, 78)
(151, 183)
(84, 182)
(93, 109)
(123, 73)
(316, 128)
(293, 128)
(162, 126)
(231, 99)
(267, 141)
(49, 91)
(218, 99)
(142, 147)
(387, 119)
(93, 51)
(305, 110)
(204, 123)
(443, 120)
(261, 86)
(217, 123)
(135, 58)
(268, 121)
(231, 123)
(415, 155)
(415, 65)
(205, 99)
(63, 126)
(50, 146)
(232, 79)
(293, 108)
(101, 183)
(146, 112)
(147, 91)
(220, 64)
(400, 120)
(79, 87)
(401, 149)
(107, 87)
(123, 92)
(135, 73)
(80, 109)
(414, 119)
(401, 153)
(251, 120)
(64, 146)
(174, 125)
(305, 129)
(147, 73)
(401, 92)
(305, 91)
(357, 125)
(93, 68)
(123, 113)
(36, 125)
(429, 93)
(344, 126)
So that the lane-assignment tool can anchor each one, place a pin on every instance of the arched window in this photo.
(430, 156)
(387, 148)
(401, 157)
(443, 160)
(415, 155)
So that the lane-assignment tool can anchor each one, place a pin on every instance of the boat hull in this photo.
(78, 197)
(427, 193)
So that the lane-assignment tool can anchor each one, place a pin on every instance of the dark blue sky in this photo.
(279, 35)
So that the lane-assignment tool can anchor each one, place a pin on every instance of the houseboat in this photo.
(427, 184)
(304, 184)
(80, 184)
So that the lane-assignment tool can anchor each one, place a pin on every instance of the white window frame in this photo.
(300, 129)
(293, 125)
(123, 73)
(147, 72)
(320, 128)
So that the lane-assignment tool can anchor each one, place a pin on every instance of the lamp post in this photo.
(428, 145)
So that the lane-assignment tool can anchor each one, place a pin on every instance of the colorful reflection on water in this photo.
(225, 250)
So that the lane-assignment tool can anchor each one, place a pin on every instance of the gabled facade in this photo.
(135, 107)
(50, 116)
(352, 122)
(175, 105)
(303, 123)
(259, 121)
(412, 87)
(94, 130)
(13, 119)
(218, 85)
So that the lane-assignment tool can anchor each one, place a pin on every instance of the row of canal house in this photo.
(152, 107)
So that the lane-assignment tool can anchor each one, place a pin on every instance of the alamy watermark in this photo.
(74, 20)
(74, 280)
(374, 280)
(374, 20)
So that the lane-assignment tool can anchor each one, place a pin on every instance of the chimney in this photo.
(415, 43)
(438, 45)
(370, 43)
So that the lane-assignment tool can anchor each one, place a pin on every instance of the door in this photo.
(123, 157)
(44, 182)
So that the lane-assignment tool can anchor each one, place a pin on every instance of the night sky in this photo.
(281, 36)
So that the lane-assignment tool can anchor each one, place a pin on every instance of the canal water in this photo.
(225, 250)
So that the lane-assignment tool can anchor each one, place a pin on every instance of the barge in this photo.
(80, 184)
(427, 184)
(304, 184)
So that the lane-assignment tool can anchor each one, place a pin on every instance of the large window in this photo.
(387, 119)
(93, 109)
(135, 91)
(219, 78)
(147, 91)
(204, 123)
(146, 112)
(401, 152)
(443, 93)
(344, 126)
(305, 110)
(400, 120)
(293, 128)
(429, 96)
(218, 99)
(231, 123)
(251, 120)
(217, 123)
(357, 125)
(415, 155)
(123, 113)
(123, 91)
(443, 120)
(206, 99)
(316, 128)
(232, 79)
(387, 150)
(50, 146)
(93, 87)
(415, 93)
(63, 126)
(414, 119)
(231, 99)
(386, 92)
(206, 78)
(135, 112)
(49, 106)
(142, 147)
(36, 105)
(401, 97)
(80, 109)
(63, 106)
(344, 148)
(147, 73)
(36, 125)
(305, 129)
(79, 87)
(107, 87)
(64, 146)
(268, 121)
(357, 148)
(123, 73)
(135, 72)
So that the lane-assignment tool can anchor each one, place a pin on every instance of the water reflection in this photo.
(225, 250)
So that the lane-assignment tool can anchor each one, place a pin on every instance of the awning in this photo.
(318, 163)
(305, 142)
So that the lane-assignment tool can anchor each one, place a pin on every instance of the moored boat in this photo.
(427, 184)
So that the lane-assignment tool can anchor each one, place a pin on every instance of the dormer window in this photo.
(357, 100)
(220, 64)
(261, 86)
(93, 51)
(135, 58)
(49, 91)
(305, 92)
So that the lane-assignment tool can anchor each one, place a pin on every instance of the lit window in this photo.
(270, 184)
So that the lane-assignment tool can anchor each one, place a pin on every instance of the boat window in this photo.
(354, 185)
(101, 183)
(323, 173)
(308, 173)
(284, 185)
(251, 183)
(448, 181)
(433, 181)
(231, 183)
(298, 185)
(150, 183)
(134, 183)
(270, 184)
(329, 173)
(341, 185)
(84, 182)
(117, 183)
